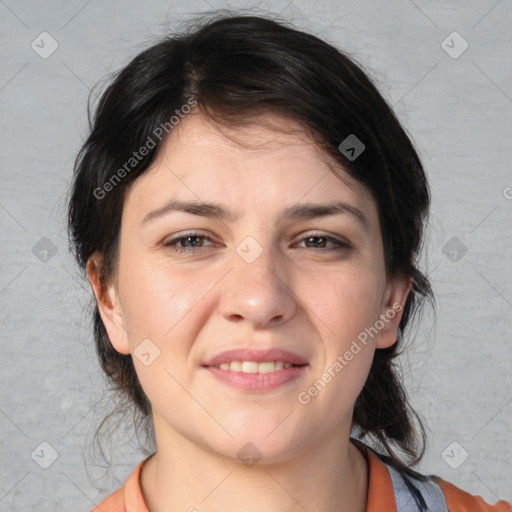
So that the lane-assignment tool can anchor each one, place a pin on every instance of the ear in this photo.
(109, 306)
(396, 293)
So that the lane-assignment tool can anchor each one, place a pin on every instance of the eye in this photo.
(320, 240)
(193, 242)
(186, 243)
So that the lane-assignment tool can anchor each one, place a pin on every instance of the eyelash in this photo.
(172, 243)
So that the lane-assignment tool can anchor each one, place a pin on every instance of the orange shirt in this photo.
(380, 494)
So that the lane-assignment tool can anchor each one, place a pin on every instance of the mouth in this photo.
(255, 366)
(257, 371)
(243, 359)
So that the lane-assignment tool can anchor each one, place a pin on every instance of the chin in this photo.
(256, 447)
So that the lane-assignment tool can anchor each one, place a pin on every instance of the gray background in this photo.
(459, 113)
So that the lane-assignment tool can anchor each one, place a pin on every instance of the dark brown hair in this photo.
(237, 67)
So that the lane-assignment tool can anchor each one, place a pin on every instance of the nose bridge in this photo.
(256, 289)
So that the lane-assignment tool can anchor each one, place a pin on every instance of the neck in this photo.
(184, 476)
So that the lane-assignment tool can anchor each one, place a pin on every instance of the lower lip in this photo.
(258, 382)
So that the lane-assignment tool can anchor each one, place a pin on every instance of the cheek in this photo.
(349, 306)
(350, 300)
(162, 305)
(157, 298)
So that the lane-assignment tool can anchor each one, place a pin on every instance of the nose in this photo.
(257, 292)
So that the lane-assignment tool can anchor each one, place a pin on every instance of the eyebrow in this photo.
(219, 211)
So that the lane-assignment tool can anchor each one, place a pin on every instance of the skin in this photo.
(298, 295)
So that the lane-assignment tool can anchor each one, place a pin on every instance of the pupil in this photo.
(316, 238)
(192, 238)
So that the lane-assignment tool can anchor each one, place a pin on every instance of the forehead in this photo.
(259, 166)
(265, 134)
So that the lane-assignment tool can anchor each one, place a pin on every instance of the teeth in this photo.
(235, 366)
(254, 367)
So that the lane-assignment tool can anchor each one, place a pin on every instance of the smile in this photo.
(258, 377)
(254, 366)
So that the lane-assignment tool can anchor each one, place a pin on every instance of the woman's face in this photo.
(261, 270)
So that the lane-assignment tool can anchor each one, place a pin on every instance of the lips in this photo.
(273, 354)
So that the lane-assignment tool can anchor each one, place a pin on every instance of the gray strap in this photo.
(431, 492)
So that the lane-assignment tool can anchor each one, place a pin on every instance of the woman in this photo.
(249, 211)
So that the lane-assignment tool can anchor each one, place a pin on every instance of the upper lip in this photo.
(246, 354)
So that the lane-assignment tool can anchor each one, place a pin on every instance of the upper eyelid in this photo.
(185, 234)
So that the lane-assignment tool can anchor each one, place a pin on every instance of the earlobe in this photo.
(396, 295)
(109, 307)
